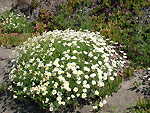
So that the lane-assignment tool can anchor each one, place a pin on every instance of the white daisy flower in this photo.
(96, 92)
(101, 104)
(68, 98)
(84, 90)
(78, 82)
(85, 82)
(94, 107)
(50, 109)
(72, 96)
(104, 102)
(86, 76)
(75, 89)
(78, 95)
(92, 75)
(111, 78)
(54, 92)
(84, 95)
(93, 82)
(46, 100)
(59, 98)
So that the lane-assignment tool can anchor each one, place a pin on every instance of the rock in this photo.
(5, 55)
(26, 7)
(21, 2)
(2, 65)
(22, 6)
(48, 5)
(5, 5)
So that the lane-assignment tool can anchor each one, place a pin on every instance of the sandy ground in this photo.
(118, 102)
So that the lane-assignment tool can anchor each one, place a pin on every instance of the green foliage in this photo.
(69, 15)
(44, 21)
(108, 3)
(122, 26)
(9, 40)
(142, 106)
(75, 21)
(11, 22)
(128, 72)
(136, 85)
(3, 87)
(35, 4)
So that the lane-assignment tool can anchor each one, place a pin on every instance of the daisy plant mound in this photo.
(62, 68)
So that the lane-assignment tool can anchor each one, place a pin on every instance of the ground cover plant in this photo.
(142, 106)
(62, 68)
(11, 22)
(126, 27)
(13, 39)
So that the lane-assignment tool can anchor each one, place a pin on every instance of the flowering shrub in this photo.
(11, 22)
(62, 67)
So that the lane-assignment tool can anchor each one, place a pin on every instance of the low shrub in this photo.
(11, 22)
(75, 21)
(63, 68)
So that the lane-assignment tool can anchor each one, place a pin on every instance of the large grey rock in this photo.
(8, 4)
(5, 55)
(48, 5)
(24, 7)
